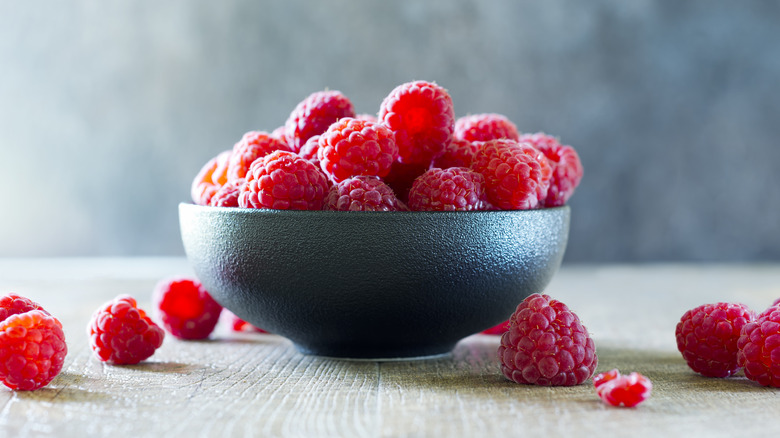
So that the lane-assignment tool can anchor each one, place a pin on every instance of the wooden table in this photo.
(259, 385)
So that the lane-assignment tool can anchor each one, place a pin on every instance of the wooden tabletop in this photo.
(259, 385)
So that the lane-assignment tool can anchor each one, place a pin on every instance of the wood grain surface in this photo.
(247, 385)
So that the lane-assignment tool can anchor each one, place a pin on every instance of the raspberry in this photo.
(210, 178)
(546, 345)
(227, 195)
(566, 167)
(32, 350)
(759, 348)
(239, 325)
(279, 134)
(363, 193)
(453, 189)
(517, 175)
(459, 153)
(253, 145)
(120, 333)
(707, 337)
(283, 181)
(423, 119)
(616, 389)
(186, 309)
(484, 127)
(499, 329)
(309, 150)
(13, 304)
(352, 147)
(402, 176)
(367, 117)
(313, 115)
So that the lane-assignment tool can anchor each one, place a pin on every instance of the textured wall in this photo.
(108, 109)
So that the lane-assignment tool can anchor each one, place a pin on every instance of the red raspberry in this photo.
(517, 175)
(227, 195)
(283, 181)
(120, 333)
(186, 309)
(616, 389)
(546, 345)
(499, 329)
(422, 116)
(280, 135)
(459, 153)
(453, 189)
(566, 167)
(253, 145)
(363, 193)
(13, 304)
(32, 350)
(313, 115)
(759, 348)
(239, 325)
(352, 147)
(707, 337)
(402, 176)
(210, 178)
(310, 149)
(484, 127)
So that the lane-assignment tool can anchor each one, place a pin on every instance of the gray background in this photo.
(108, 109)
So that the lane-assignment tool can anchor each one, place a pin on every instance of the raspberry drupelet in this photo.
(422, 117)
(185, 307)
(363, 193)
(546, 345)
(352, 147)
(313, 115)
(452, 189)
(567, 169)
(120, 333)
(622, 390)
(210, 178)
(253, 145)
(284, 181)
(484, 127)
(759, 348)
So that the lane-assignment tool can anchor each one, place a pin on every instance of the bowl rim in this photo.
(274, 212)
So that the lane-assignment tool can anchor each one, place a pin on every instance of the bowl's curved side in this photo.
(364, 284)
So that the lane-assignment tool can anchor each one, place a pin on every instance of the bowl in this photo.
(373, 285)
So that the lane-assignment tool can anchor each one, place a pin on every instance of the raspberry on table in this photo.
(120, 333)
(517, 175)
(566, 167)
(13, 304)
(185, 308)
(759, 348)
(546, 345)
(622, 390)
(239, 325)
(284, 181)
(352, 147)
(313, 115)
(32, 350)
(484, 127)
(210, 178)
(498, 329)
(707, 337)
(253, 145)
(422, 116)
(452, 189)
(363, 193)
(459, 153)
(227, 195)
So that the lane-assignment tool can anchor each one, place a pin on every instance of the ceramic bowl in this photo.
(373, 285)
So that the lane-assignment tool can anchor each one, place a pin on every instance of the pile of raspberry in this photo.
(413, 155)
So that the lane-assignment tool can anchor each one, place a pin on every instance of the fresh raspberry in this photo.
(546, 345)
(453, 189)
(402, 176)
(13, 304)
(310, 149)
(363, 193)
(32, 350)
(253, 145)
(227, 195)
(566, 167)
(367, 117)
(239, 325)
(313, 115)
(210, 178)
(422, 116)
(283, 181)
(759, 348)
(616, 389)
(459, 153)
(279, 134)
(707, 337)
(484, 127)
(120, 333)
(186, 309)
(517, 175)
(352, 147)
(498, 329)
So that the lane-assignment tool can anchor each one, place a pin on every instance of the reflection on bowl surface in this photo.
(373, 284)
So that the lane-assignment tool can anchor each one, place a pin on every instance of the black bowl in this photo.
(373, 284)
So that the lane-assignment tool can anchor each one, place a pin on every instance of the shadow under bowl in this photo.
(373, 285)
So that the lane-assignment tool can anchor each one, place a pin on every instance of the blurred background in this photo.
(109, 109)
